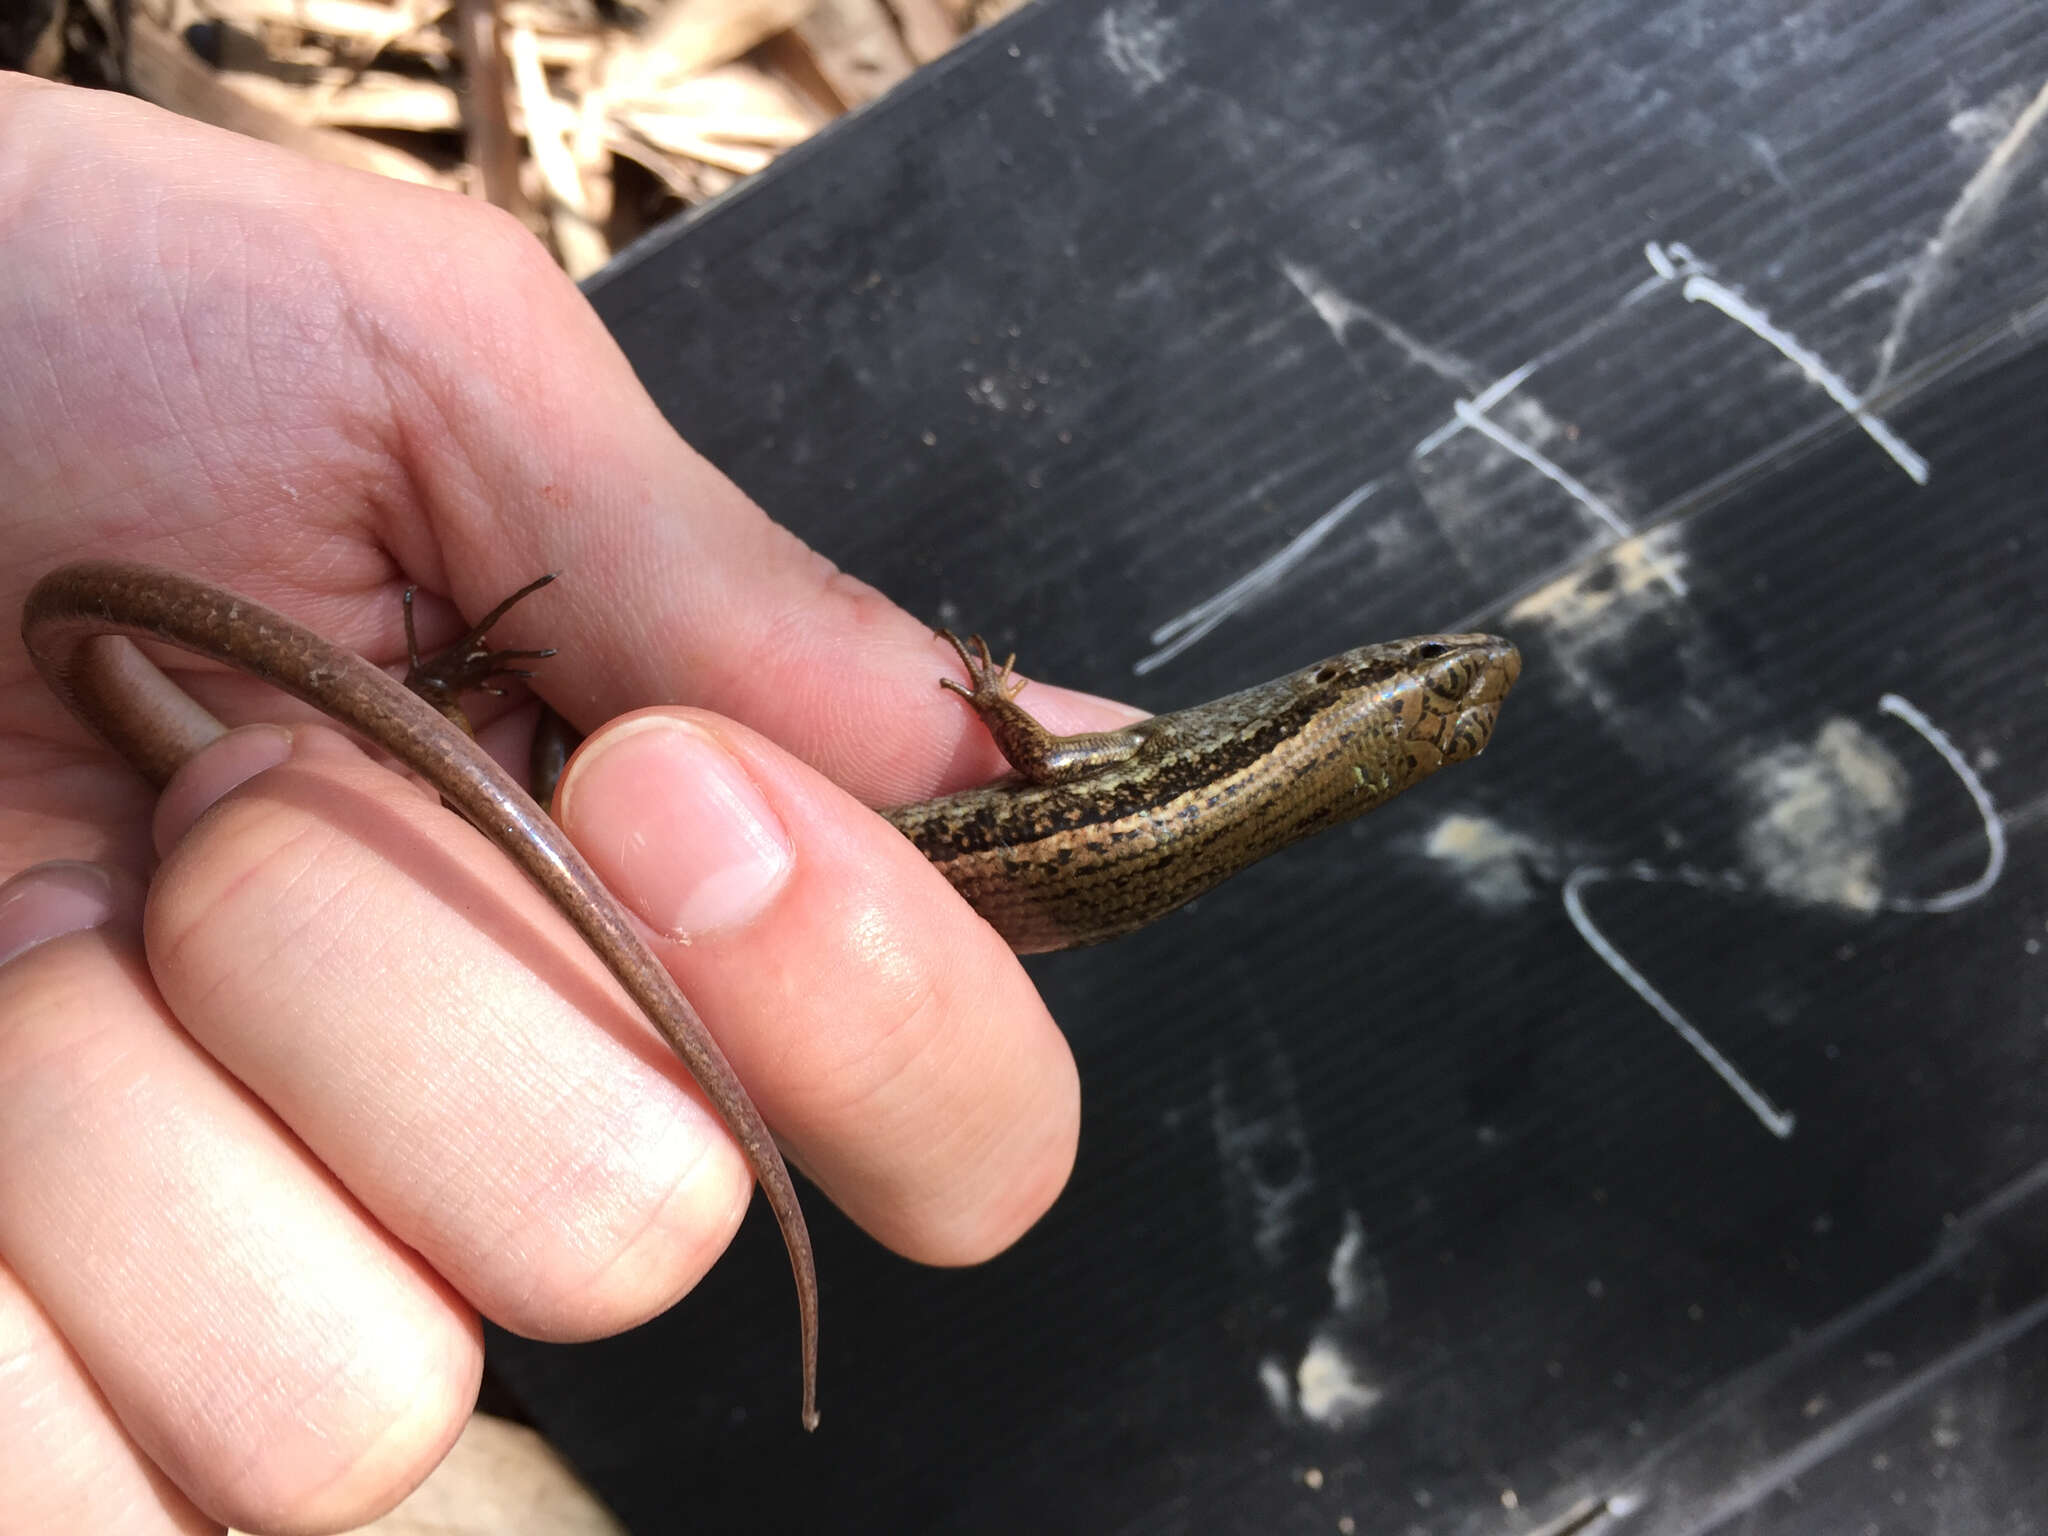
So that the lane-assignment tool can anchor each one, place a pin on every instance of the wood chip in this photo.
(689, 36)
(856, 47)
(165, 71)
(928, 28)
(694, 93)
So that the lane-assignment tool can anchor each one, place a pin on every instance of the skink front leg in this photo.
(1036, 753)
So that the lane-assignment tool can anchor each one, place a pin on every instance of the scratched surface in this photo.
(1644, 1129)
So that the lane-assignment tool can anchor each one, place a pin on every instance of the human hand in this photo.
(283, 1113)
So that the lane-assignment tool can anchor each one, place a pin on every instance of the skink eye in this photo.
(1431, 651)
(1326, 674)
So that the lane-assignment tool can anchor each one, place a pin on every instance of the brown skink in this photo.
(1096, 835)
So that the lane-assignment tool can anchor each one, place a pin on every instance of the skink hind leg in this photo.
(469, 665)
(1032, 750)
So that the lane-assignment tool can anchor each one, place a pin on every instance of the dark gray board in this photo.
(1123, 304)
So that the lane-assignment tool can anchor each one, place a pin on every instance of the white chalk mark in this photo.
(1883, 277)
(1994, 828)
(1776, 1121)
(1494, 433)
(1338, 310)
(1351, 1282)
(1759, 1485)
(1438, 438)
(1492, 863)
(1515, 378)
(1773, 167)
(1278, 1382)
(1815, 815)
(1643, 290)
(1358, 1289)
(1177, 634)
(1497, 391)
(1139, 44)
(1701, 288)
(1329, 1388)
(1267, 1165)
(1491, 430)
(1961, 227)
(1670, 262)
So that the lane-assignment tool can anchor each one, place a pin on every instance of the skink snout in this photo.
(1471, 674)
(1470, 669)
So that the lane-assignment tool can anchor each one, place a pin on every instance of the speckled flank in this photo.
(1207, 791)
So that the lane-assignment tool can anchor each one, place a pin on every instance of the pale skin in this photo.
(295, 1078)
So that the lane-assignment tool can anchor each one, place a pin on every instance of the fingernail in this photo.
(50, 900)
(225, 764)
(674, 826)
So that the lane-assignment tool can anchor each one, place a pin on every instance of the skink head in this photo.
(1440, 693)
